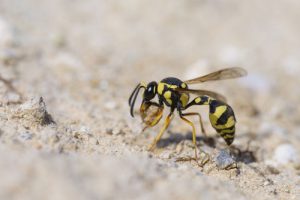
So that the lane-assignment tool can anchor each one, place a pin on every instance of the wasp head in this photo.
(149, 93)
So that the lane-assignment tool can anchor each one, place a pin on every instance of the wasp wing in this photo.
(222, 74)
(202, 92)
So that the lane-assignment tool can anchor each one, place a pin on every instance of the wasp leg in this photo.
(159, 135)
(200, 120)
(151, 119)
(206, 156)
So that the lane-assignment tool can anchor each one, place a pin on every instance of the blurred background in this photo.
(85, 58)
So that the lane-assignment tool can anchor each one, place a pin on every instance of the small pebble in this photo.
(116, 131)
(84, 129)
(165, 155)
(34, 112)
(266, 183)
(224, 160)
(25, 136)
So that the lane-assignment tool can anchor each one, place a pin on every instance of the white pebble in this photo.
(224, 160)
(165, 155)
(84, 129)
(25, 136)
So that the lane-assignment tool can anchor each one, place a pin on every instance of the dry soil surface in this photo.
(68, 67)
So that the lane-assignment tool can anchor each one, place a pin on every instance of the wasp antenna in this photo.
(133, 92)
(142, 84)
(133, 97)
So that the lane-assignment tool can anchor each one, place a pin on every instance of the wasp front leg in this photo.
(161, 132)
(151, 113)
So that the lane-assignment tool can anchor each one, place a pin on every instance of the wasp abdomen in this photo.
(222, 119)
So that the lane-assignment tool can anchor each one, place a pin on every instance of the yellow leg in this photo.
(157, 138)
(205, 158)
(193, 134)
(200, 120)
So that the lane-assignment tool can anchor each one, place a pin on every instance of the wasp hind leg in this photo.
(205, 158)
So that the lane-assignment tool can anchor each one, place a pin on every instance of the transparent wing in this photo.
(228, 73)
(202, 92)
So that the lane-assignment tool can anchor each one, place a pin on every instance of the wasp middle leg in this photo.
(206, 156)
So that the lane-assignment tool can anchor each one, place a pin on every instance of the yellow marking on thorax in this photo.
(184, 99)
(169, 101)
(197, 100)
(183, 85)
(167, 94)
(160, 88)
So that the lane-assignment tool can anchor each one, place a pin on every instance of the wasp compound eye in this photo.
(150, 91)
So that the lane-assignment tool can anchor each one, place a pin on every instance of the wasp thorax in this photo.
(150, 91)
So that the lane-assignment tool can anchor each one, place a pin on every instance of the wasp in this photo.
(175, 94)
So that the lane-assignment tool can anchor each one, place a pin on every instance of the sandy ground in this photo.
(85, 57)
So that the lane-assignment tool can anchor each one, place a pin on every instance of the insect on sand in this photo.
(175, 94)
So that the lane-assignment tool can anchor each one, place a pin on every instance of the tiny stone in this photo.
(266, 183)
(84, 129)
(165, 155)
(25, 136)
(116, 131)
(224, 160)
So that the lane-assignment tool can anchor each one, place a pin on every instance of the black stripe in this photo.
(225, 116)
(230, 128)
(213, 105)
(204, 99)
(229, 141)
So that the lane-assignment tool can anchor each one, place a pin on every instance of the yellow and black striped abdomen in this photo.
(223, 120)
